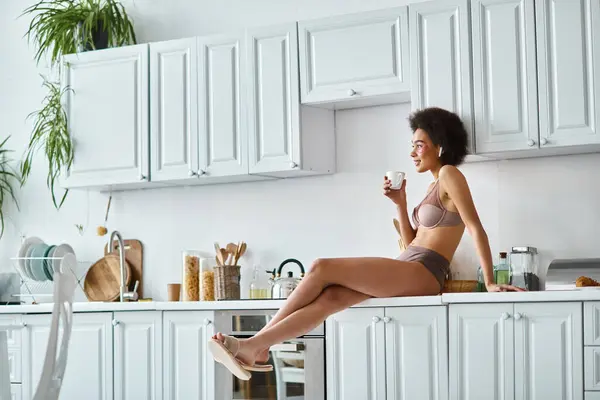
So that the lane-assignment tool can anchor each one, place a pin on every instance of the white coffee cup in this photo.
(396, 178)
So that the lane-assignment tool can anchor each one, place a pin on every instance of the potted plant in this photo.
(8, 176)
(50, 132)
(70, 26)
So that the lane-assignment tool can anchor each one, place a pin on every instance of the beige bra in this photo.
(431, 213)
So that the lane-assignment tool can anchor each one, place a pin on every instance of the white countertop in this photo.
(449, 298)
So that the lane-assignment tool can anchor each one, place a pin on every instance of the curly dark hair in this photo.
(445, 129)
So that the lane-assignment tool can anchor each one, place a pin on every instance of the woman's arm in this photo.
(398, 196)
(406, 230)
(455, 184)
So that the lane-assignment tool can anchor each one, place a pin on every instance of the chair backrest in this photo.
(54, 367)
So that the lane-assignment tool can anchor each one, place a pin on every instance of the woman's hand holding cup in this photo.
(394, 187)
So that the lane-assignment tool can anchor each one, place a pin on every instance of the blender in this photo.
(524, 265)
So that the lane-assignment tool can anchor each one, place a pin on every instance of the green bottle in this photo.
(502, 271)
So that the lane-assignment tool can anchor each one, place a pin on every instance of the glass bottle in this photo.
(257, 291)
(502, 271)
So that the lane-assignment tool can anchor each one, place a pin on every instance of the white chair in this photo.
(54, 367)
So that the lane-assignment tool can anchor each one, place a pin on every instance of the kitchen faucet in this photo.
(123, 293)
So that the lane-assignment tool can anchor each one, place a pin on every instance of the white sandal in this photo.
(221, 353)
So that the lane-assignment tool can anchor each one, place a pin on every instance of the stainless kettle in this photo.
(282, 287)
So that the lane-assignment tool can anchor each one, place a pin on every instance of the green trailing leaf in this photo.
(60, 27)
(8, 177)
(50, 133)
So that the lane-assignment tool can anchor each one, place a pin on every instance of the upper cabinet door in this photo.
(138, 355)
(358, 55)
(504, 75)
(107, 110)
(273, 99)
(568, 49)
(481, 352)
(174, 117)
(416, 353)
(356, 349)
(548, 351)
(223, 140)
(440, 57)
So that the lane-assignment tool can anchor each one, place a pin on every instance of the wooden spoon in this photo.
(240, 252)
(220, 256)
(397, 226)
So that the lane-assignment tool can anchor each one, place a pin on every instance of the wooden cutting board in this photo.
(103, 279)
(134, 254)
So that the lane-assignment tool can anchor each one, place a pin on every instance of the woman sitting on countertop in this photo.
(439, 145)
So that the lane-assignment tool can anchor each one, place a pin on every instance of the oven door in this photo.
(298, 374)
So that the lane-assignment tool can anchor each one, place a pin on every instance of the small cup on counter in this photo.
(173, 291)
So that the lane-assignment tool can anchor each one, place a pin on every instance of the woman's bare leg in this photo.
(369, 276)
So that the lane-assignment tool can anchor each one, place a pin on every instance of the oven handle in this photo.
(288, 347)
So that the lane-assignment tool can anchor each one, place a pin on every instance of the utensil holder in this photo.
(227, 282)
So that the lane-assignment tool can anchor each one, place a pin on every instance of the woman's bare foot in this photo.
(244, 353)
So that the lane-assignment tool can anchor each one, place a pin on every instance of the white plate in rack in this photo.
(21, 262)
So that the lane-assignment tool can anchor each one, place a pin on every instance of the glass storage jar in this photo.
(191, 276)
(207, 280)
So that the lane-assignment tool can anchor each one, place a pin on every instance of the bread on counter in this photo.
(584, 281)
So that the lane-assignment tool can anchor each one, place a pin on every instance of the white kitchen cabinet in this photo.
(16, 392)
(416, 352)
(356, 56)
(355, 351)
(189, 370)
(387, 353)
(504, 75)
(107, 109)
(591, 367)
(591, 323)
(440, 57)
(481, 342)
(89, 372)
(592, 396)
(137, 355)
(528, 351)
(223, 139)
(568, 71)
(174, 111)
(548, 351)
(285, 138)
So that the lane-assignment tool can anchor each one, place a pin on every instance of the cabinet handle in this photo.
(142, 177)
(505, 316)
(351, 92)
(202, 172)
(376, 319)
(207, 321)
(544, 141)
(518, 316)
(115, 322)
(293, 165)
(531, 143)
(386, 319)
(192, 173)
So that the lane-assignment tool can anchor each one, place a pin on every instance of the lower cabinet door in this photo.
(189, 370)
(138, 355)
(548, 351)
(481, 351)
(356, 354)
(416, 353)
(89, 372)
(15, 392)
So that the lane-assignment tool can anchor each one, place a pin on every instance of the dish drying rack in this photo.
(32, 291)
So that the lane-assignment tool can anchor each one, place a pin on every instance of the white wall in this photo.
(551, 203)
